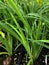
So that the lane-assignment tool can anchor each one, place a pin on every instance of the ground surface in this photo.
(20, 58)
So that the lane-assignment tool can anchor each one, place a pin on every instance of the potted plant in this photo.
(28, 23)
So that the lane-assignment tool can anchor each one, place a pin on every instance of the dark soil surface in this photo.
(20, 58)
(41, 59)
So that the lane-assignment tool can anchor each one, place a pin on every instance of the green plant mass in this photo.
(28, 22)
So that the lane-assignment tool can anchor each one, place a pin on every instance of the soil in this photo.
(41, 58)
(20, 58)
